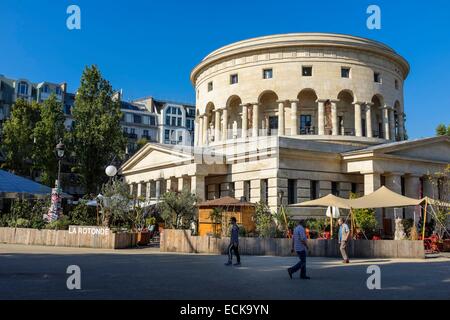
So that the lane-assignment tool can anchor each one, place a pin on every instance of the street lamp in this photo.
(111, 171)
(60, 154)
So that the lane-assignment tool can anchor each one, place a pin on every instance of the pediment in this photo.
(433, 150)
(154, 157)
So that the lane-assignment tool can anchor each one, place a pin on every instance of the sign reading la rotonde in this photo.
(94, 231)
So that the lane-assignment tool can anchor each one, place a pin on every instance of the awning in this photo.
(437, 203)
(327, 201)
(12, 186)
(384, 198)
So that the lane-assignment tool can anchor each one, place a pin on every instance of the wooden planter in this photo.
(446, 246)
(143, 238)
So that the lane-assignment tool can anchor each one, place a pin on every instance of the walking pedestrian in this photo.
(344, 233)
(234, 244)
(299, 245)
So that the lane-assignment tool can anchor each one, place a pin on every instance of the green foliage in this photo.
(141, 143)
(26, 214)
(18, 136)
(178, 209)
(365, 220)
(264, 221)
(83, 215)
(216, 216)
(316, 226)
(62, 223)
(97, 137)
(115, 203)
(443, 130)
(150, 221)
(49, 130)
(137, 215)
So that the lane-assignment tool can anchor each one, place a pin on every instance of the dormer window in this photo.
(23, 88)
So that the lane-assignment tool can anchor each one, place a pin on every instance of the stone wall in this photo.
(182, 241)
(65, 239)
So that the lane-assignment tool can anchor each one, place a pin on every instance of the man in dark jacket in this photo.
(234, 244)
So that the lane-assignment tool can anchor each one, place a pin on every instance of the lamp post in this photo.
(60, 154)
(111, 171)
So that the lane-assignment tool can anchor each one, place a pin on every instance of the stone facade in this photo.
(288, 118)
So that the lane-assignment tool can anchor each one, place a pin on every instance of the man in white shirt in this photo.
(344, 233)
(299, 245)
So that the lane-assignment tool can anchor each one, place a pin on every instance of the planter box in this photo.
(77, 237)
(446, 246)
(182, 241)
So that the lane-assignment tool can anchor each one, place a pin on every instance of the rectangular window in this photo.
(267, 74)
(179, 122)
(314, 190)
(345, 72)
(354, 188)
(173, 122)
(307, 71)
(377, 77)
(167, 134)
(306, 124)
(146, 133)
(292, 191)
(210, 86)
(265, 191)
(335, 189)
(167, 120)
(234, 79)
(152, 121)
(247, 190)
(137, 119)
(396, 84)
(129, 118)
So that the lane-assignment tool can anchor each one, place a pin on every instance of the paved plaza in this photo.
(40, 273)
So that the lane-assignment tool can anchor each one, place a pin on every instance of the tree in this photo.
(442, 130)
(18, 136)
(215, 216)
(365, 220)
(178, 209)
(264, 221)
(141, 143)
(97, 137)
(49, 130)
(115, 203)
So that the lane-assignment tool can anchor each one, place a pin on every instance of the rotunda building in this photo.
(288, 118)
(305, 84)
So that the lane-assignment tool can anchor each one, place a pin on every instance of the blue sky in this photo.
(149, 47)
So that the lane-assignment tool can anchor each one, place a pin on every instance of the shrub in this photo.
(264, 220)
(62, 223)
(83, 215)
(178, 209)
(22, 223)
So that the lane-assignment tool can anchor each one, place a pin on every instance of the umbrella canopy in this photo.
(438, 203)
(383, 198)
(12, 186)
(327, 201)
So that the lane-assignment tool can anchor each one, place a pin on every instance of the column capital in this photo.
(322, 100)
(334, 101)
(282, 101)
(245, 105)
(369, 104)
(294, 101)
(359, 103)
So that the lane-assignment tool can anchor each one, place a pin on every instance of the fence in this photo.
(182, 241)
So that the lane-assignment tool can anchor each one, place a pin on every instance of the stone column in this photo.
(394, 183)
(372, 182)
(217, 126)
(369, 130)
(401, 126)
(169, 185)
(196, 128)
(139, 189)
(294, 118)
(205, 129)
(392, 125)
(255, 191)
(358, 121)
(225, 124)
(334, 118)
(181, 184)
(255, 123)
(321, 117)
(244, 121)
(386, 129)
(148, 191)
(428, 188)
(198, 186)
(131, 186)
(281, 125)
(158, 189)
(413, 188)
